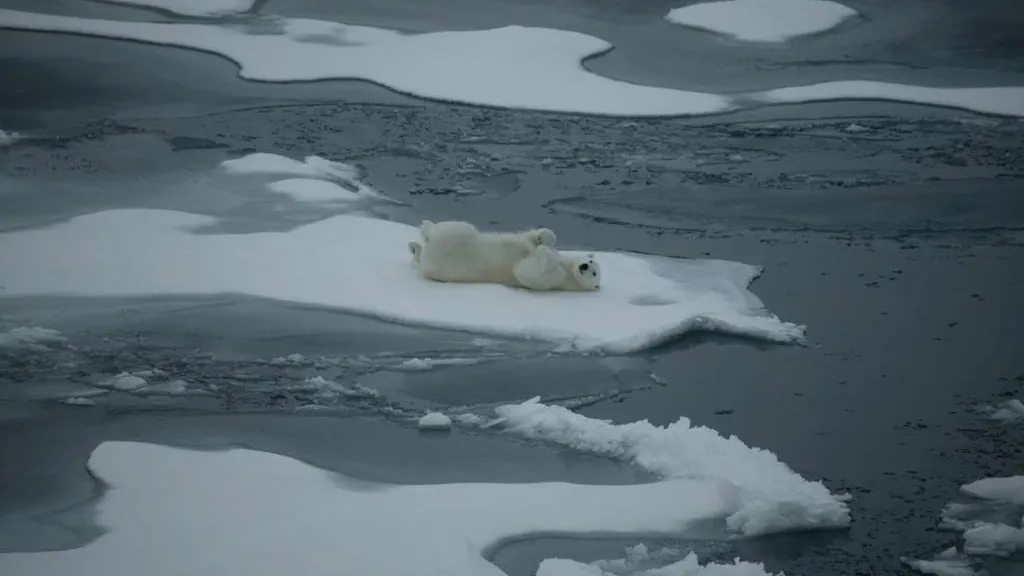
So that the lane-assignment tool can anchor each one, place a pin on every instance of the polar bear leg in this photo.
(541, 270)
(542, 237)
(425, 227)
(415, 248)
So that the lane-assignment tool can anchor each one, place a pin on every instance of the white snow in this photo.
(435, 421)
(171, 511)
(947, 563)
(313, 177)
(767, 496)
(363, 265)
(8, 138)
(79, 401)
(1006, 489)
(125, 381)
(1007, 101)
(31, 338)
(688, 566)
(509, 67)
(310, 190)
(1010, 411)
(762, 20)
(993, 539)
(195, 7)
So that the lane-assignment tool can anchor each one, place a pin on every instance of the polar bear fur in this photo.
(455, 251)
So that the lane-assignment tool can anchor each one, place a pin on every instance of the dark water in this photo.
(897, 242)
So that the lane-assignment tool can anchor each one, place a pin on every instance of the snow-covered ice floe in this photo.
(762, 20)
(363, 265)
(31, 338)
(1010, 411)
(688, 566)
(508, 67)
(983, 534)
(8, 138)
(194, 7)
(765, 495)
(170, 511)
(314, 179)
(1005, 101)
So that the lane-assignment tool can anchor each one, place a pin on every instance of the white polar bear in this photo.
(455, 251)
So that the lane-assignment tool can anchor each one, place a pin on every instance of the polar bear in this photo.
(456, 251)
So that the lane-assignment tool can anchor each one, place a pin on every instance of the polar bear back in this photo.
(457, 252)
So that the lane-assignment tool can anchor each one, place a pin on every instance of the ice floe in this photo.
(1006, 101)
(1010, 411)
(31, 338)
(194, 7)
(170, 511)
(362, 265)
(8, 138)
(993, 528)
(435, 421)
(688, 566)
(767, 495)
(762, 20)
(508, 67)
(316, 179)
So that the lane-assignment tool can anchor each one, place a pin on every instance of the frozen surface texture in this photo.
(767, 495)
(195, 7)
(363, 265)
(762, 20)
(170, 511)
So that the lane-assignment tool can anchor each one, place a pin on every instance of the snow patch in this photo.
(31, 338)
(125, 381)
(310, 190)
(507, 67)
(435, 421)
(1005, 489)
(762, 20)
(362, 265)
(318, 521)
(8, 138)
(768, 495)
(688, 566)
(1007, 101)
(197, 8)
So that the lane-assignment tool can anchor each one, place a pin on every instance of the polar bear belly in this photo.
(481, 257)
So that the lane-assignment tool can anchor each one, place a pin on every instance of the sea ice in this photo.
(435, 421)
(762, 20)
(79, 401)
(195, 7)
(31, 338)
(508, 67)
(311, 190)
(947, 563)
(362, 265)
(8, 138)
(170, 511)
(767, 495)
(1010, 411)
(124, 381)
(688, 566)
(1006, 489)
(993, 539)
(311, 173)
(1007, 101)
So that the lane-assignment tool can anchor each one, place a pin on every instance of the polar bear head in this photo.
(587, 272)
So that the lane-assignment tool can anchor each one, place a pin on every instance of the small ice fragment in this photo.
(993, 539)
(415, 364)
(435, 421)
(1005, 489)
(124, 381)
(79, 401)
(856, 128)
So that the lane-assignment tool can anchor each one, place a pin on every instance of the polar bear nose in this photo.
(584, 267)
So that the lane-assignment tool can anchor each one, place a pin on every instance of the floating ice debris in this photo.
(195, 7)
(762, 20)
(31, 338)
(435, 421)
